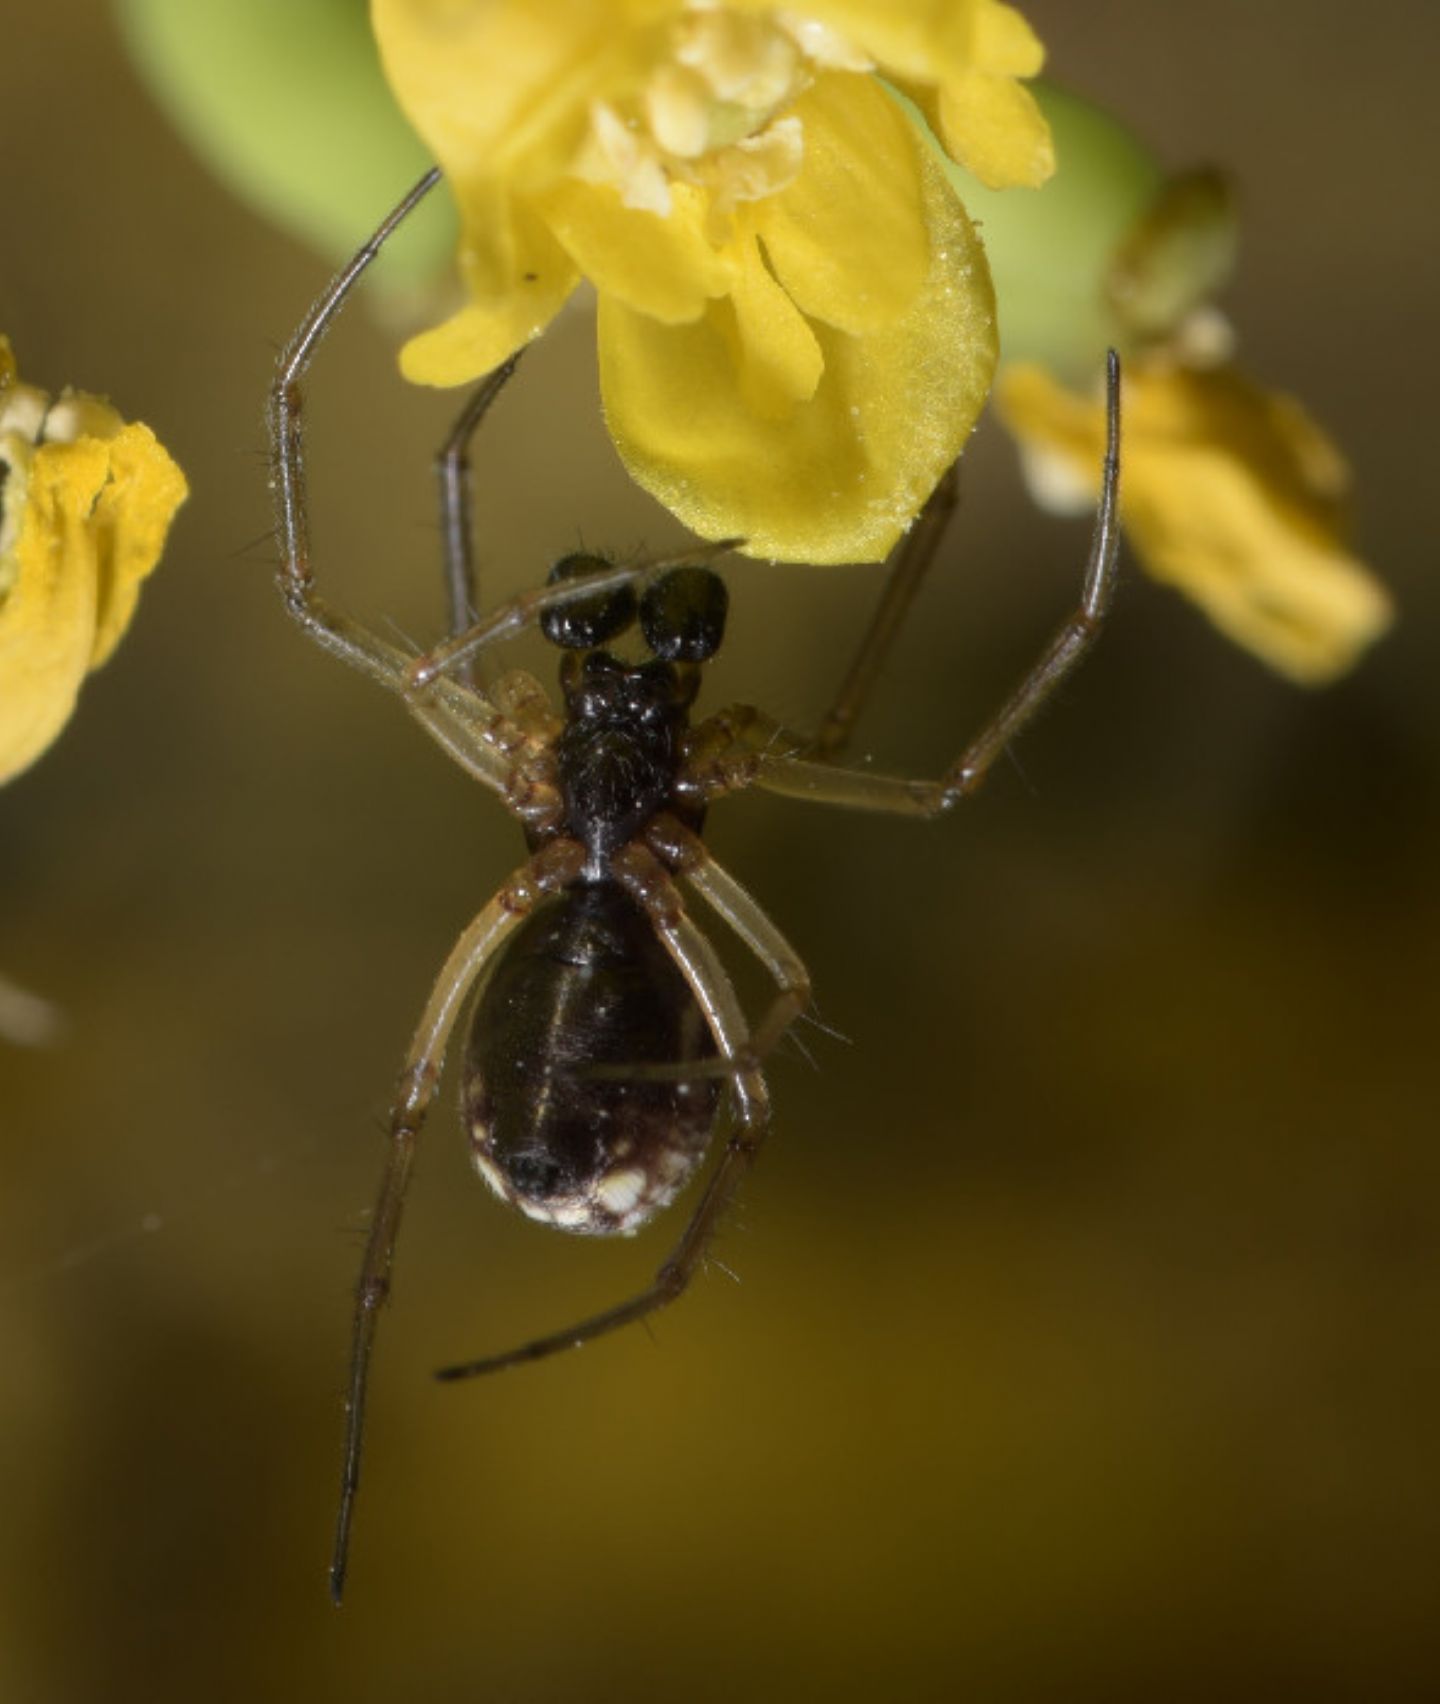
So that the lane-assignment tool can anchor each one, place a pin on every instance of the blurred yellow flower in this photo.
(85, 503)
(1229, 493)
(796, 324)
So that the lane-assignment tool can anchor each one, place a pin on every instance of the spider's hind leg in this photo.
(552, 868)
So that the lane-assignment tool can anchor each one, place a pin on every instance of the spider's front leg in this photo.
(742, 747)
(466, 724)
(337, 633)
(554, 867)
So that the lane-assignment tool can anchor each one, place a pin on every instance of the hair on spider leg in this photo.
(736, 1227)
(267, 542)
(605, 1047)
(357, 1229)
(811, 1016)
(405, 640)
(795, 1045)
(1032, 787)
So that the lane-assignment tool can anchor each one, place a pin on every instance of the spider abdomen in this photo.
(563, 1121)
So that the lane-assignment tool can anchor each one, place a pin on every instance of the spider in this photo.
(605, 1031)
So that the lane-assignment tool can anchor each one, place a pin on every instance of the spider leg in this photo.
(742, 724)
(462, 721)
(761, 754)
(452, 472)
(325, 625)
(647, 881)
(550, 869)
(912, 562)
(686, 854)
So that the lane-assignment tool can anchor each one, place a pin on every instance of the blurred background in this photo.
(1084, 1340)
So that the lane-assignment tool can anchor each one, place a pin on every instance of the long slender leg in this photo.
(468, 748)
(463, 723)
(758, 761)
(647, 881)
(452, 471)
(912, 563)
(687, 855)
(551, 868)
(325, 625)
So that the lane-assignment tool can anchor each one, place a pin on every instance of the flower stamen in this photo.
(715, 112)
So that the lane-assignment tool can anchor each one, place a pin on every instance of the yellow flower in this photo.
(1232, 495)
(796, 326)
(1229, 493)
(85, 503)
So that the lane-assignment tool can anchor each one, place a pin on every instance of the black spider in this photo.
(606, 1027)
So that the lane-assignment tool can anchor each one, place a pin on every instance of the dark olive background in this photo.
(1084, 1344)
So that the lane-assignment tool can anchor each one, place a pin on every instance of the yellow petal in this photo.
(502, 88)
(83, 524)
(662, 266)
(995, 129)
(500, 92)
(958, 61)
(924, 40)
(518, 277)
(778, 355)
(129, 523)
(1004, 44)
(1229, 494)
(846, 237)
(837, 477)
(988, 122)
(47, 619)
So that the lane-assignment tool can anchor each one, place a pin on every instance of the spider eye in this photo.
(582, 623)
(682, 615)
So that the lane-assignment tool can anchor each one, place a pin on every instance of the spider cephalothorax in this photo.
(615, 760)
